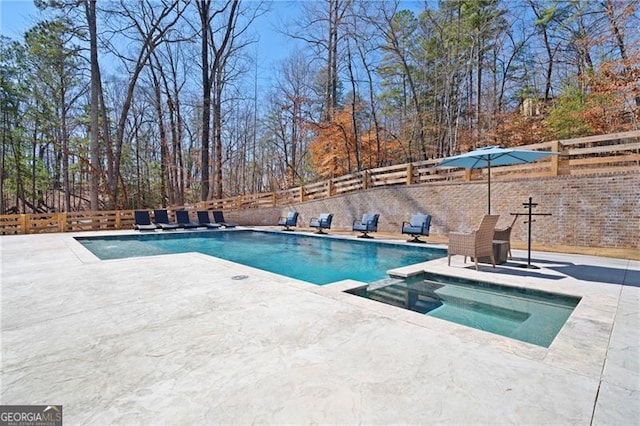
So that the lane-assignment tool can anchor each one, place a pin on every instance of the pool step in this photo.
(384, 283)
(401, 297)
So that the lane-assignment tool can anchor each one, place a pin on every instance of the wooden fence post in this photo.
(365, 179)
(301, 193)
(62, 222)
(274, 199)
(554, 158)
(24, 224)
(467, 175)
(119, 219)
(410, 174)
(558, 164)
(330, 188)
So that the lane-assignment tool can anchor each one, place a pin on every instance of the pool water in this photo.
(527, 315)
(317, 260)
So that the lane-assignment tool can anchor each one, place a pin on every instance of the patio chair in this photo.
(218, 217)
(369, 223)
(142, 221)
(321, 222)
(182, 217)
(504, 234)
(161, 219)
(478, 243)
(203, 219)
(417, 226)
(291, 219)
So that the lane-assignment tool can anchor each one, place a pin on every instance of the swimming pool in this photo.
(528, 315)
(317, 260)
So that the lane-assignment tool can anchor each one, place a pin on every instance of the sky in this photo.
(17, 16)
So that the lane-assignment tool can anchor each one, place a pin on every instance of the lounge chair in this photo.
(417, 226)
(218, 217)
(369, 223)
(182, 217)
(143, 221)
(291, 219)
(161, 219)
(203, 218)
(321, 222)
(504, 234)
(478, 243)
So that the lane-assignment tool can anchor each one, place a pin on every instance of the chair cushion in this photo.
(360, 227)
(412, 229)
(418, 220)
(368, 217)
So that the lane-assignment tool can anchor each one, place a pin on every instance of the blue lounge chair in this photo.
(218, 217)
(161, 219)
(143, 221)
(182, 217)
(203, 218)
(291, 219)
(322, 222)
(369, 223)
(417, 226)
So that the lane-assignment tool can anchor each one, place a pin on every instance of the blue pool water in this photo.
(528, 315)
(318, 260)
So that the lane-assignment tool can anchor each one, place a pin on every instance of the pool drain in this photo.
(239, 277)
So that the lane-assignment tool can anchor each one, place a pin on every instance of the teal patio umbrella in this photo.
(493, 156)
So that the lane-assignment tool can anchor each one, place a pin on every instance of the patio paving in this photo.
(188, 338)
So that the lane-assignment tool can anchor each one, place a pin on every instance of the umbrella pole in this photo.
(489, 185)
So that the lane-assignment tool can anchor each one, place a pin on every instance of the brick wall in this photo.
(593, 211)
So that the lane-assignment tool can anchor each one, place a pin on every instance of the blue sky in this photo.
(17, 16)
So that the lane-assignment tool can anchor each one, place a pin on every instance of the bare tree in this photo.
(150, 23)
(96, 87)
(289, 111)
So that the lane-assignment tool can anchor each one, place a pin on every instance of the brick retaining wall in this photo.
(589, 211)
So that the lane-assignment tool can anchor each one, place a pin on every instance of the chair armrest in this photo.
(502, 234)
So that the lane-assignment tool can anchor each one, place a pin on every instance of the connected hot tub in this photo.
(528, 315)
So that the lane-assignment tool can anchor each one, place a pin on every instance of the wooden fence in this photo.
(613, 153)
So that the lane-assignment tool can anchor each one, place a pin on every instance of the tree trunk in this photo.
(217, 135)
(203, 11)
(619, 42)
(94, 150)
(164, 151)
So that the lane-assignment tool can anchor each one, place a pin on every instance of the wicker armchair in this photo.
(477, 244)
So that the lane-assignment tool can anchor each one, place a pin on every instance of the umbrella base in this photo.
(528, 266)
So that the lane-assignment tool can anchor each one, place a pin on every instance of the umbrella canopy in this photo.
(493, 156)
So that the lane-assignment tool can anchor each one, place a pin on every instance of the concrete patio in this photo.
(192, 339)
